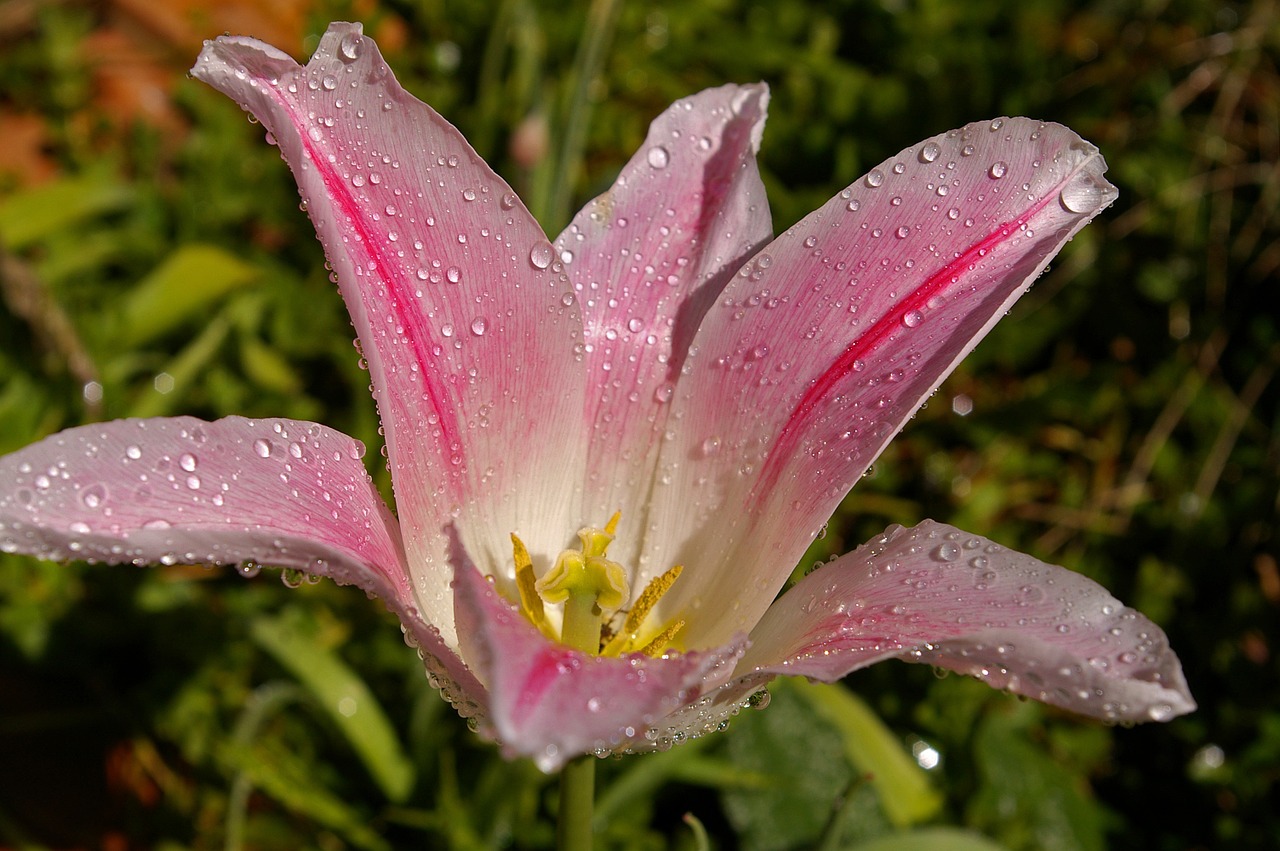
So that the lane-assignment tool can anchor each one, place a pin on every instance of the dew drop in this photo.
(262, 448)
(658, 157)
(946, 551)
(929, 152)
(541, 255)
(874, 178)
(350, 46)
(912, 318)
(93, 496)
(998, 169)
(478, 326)
(1087, 193)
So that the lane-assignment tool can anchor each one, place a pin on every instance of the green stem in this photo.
(592, 51)
(577, 800)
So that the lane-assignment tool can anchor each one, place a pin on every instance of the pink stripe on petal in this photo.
(552, 703)
(462, 314)
(829, 340)
(648, 258)
(936, 595)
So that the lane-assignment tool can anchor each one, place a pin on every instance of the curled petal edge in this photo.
(552, 703)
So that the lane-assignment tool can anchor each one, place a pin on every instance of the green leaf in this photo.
(796, 783)
(1027, 798)
(930, 839)
(904, 789)
(346, 699)
(181, 289)
(33, 214)
(280, 774)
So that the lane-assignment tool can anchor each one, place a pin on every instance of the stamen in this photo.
(530, 602)
(649, 598)
(662, 639)
(591, 588)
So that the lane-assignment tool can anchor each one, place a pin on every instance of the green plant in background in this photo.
(1131, 425)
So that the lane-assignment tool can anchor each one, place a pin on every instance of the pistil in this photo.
(591, 588)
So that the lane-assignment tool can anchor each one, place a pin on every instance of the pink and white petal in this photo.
(937, 595)
(182, 490)
(552, 703)
(828, 341)
(185, 491)
(648, 258)
(462, 314)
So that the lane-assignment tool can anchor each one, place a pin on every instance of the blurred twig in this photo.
(27, 298)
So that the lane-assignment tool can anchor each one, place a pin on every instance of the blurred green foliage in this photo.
(1124, 421)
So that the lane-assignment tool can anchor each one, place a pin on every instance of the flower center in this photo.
(593, 589)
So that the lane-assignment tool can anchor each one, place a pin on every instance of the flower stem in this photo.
(577, 802)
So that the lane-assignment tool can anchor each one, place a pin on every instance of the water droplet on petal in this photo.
(929, 152)
(912, 318)
(946, 552)
(541, 255)
(93, 496)
(478, 326)
(658, 157)
(998, 169)
(1087, 193)
(349, 47)
(874, 178)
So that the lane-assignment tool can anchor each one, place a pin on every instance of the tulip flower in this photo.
(609, 450)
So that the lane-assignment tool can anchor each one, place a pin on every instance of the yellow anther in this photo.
(662, 639)
(526, 583)
(653, 592)
(611, 528)
(649, 598)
